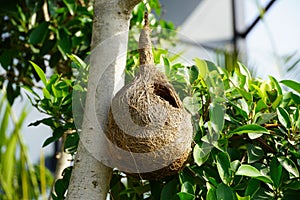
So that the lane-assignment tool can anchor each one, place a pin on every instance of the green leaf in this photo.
(248, 170)
(202, 66)
(167, 65)
(40, 73)
(276, 85)
(283, 117)
(8, 164)
(71, 143)
(252, 187)
(292, 84)
(192, 104)
(224, 192)
(248, 96)
(46, 93)
(276, 172)
(260, 105)
(293, 185)
(289, 166)
(234, 165)
(250, 128)
(39, 33)
(64, 42)
(201, 153)
(60, 187)
(277, 101)
(193, 74)
(185, 196)
(211, 194)
(254, 153)
(242, 198)
(169, 190)
(187, 187)
(217, 116)
(70, 5)
(224, 167)
(57, 133)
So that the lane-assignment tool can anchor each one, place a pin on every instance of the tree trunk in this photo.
(90, 178)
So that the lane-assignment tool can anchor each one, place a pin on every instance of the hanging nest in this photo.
(148, 120)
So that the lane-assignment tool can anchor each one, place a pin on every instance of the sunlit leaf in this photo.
(250, 171)
(289, 166)
(250, 128)
(292, 84)
(284, 117)
(40, 73)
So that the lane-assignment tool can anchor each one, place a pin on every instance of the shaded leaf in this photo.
(39, 33)
(224, 192)
(276, 172)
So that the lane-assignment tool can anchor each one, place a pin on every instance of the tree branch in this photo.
(90, 178)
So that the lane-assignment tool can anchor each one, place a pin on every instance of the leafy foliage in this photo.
(246, 143)
(19, 179)
(44, 32)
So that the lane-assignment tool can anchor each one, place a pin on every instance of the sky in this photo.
(277, 34)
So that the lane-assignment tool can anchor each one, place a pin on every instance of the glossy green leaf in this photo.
(292, 84)
(71, 143)
(234, 165)
(250, 171)
(224, 192)
(289, 166)
(170, 190)
(242, 198)
(40, 73)
(185, 196)
(254, 153)
(39, 33)
(211, 194)
(57, 133)
(193, 74)
(187, 187)
(250, 128)
(283, 117)
(201, 152)
(276, 172)
(276, 85)
(224, 167)
(217, 116)
(252, 187)
(260, 105)
(202, 66)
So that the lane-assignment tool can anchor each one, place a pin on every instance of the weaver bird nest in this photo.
(148, 119)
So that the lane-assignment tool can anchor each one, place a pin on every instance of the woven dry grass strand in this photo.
(148, 120)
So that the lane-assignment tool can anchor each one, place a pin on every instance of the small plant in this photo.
(19, 179)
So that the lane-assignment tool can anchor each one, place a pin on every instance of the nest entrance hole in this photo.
(165, 93)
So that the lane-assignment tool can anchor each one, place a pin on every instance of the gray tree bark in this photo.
(90, 178)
